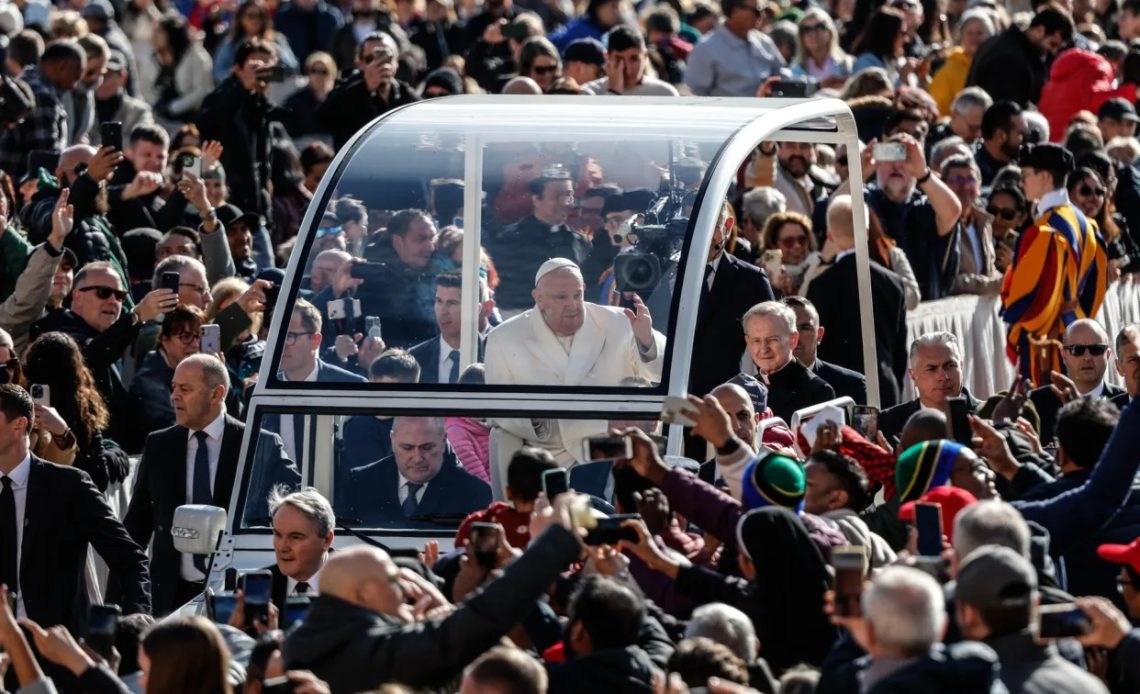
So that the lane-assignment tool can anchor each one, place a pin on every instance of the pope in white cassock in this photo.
(566, 341)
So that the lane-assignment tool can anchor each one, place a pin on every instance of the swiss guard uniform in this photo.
(1058, 273)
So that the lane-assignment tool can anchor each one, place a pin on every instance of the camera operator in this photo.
(237, 114)
(371, 91)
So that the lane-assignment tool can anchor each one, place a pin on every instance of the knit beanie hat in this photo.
(774, 480)
(924, 466)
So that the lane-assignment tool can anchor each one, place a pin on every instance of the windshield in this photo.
(439, 241)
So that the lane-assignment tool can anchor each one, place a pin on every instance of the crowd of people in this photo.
(157, 159)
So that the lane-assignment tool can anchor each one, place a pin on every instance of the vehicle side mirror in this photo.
(196, 528)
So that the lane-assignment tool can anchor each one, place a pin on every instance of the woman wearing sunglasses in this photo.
(70, 430)
(789, 234)
(538, 60)
(820, 57)
(1008, 208)
(1094, 198)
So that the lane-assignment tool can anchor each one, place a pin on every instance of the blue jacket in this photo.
(578, 28)
(308, 32)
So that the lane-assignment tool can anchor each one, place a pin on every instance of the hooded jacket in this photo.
(879, 553)
(1079, 80)
(615, 671)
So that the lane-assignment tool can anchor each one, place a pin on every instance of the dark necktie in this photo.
(302, 588)
(411, 504)
(8, 569)
(453, 377)
(703, 306)
(202, 492)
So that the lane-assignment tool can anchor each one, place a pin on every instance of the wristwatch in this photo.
(211, 216)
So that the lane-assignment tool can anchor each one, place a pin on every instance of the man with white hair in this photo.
(1086, 352)
(567, 341)
(936, 371)
(770, 337)
(730, 627)
(757, 205)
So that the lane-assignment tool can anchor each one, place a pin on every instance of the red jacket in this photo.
(1079, 80)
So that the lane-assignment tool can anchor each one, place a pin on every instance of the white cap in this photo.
(555, 264)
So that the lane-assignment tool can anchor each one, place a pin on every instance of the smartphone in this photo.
(960, 420)
(102, 625)
(257, 586)
(850, 564)
(865, 420)
(221, 606)
(211, 339)
(608, 448)
(484, 544)
(190, 163)
(555, 482)
(1062, 621)
(271, 294)
(273, 73)
(773, 262)
(41, 394)
(111, 134)
(794, 89)
(515, 30)
(372, 327)
(278, 685)
(928, 521)
(371, 273)
(889, 151)
(1010, 240)
(678, 410)
(43, 159)
(609, 530)
(171, 281)
(296, 608)
(344, 309)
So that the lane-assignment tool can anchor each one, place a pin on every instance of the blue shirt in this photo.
(723, 64)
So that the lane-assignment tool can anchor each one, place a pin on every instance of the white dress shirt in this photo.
(214, 431)
(402, 491)
(314, 583)
(286, 433)
(445, 360)
(19, 477)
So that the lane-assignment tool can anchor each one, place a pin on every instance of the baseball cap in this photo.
(995, 576)
(756, 390)
(230, 213)
(1118, 109)
(585, 50)
(1129, 554)
(97, 9)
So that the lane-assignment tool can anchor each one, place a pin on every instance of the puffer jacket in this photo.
(1079, 80)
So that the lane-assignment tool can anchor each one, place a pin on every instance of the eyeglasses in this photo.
(201, 289)
(105, 293)
(378, 55)
(188, 338)
(961, 180)
(1005, 213)
(789, 241)
(329, 231)
(1088, 191)
(544, 69)
(1079, 350)
(7, 369)
(813, 28)
(291, 338)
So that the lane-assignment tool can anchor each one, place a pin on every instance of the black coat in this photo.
(64, 514)
(845, 382)
(160, 488)
(523, 248)
(355, 649)
(374, 500)
(350, 106)
(617, 670)
(893, 419)
(426, 355)
(719, 342)
(92, 237)
(1009, 67)
(1048, 407)
(836, 297)
(795, 387)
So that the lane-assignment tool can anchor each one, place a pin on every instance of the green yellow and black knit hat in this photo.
(774, 480)
(924, 466)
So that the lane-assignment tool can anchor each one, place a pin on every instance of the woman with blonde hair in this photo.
(820, 57)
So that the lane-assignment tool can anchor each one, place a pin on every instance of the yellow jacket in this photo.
(950, 79)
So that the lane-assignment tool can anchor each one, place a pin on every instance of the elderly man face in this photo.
(770, 342)
(560, 298)
(1083, 341)
(937, 374)
(418, 444)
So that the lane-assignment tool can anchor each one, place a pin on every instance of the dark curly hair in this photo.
(55, 360)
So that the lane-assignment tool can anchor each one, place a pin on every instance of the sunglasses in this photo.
(373, 57)
(1079, 350)
(328, 231)
(1089, 191)
(105, 293)
(544, 69)
(789, 241)
(811, 29)
(7, 369)
(1004, 212)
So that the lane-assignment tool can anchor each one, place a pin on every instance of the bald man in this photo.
(361, 633)
(567, 341)
(1086, 352)
(420, 478)
(835, 295)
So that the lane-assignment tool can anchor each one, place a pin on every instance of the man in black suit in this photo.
(303, 528)
(770, 337)
(300, 361)
(835, 294)
(439, 356)
(845, 381)
(1085, 352)
(1128, 363)
(936, 371)
(49, 515)
(418, 479)
(731, 287)
(195, 462)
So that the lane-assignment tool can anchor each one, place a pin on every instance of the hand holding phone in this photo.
(555, 482)
(257, 587)
(1062, 621)
(603, 448)
(111, 134)
(850, 564)
(678, 410)
(211, 342)
(928, 521)
(483, 543)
